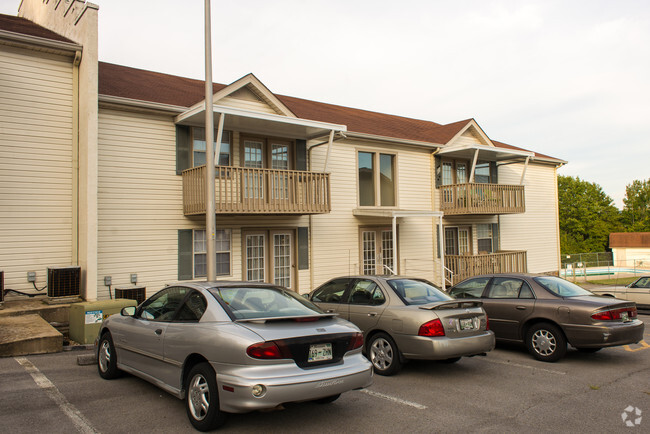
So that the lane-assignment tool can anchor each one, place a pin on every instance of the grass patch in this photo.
(621, 281)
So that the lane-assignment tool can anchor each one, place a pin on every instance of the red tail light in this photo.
(432, 328)
(264, 350)
(614, 314)
(356, 342)
(487, 323)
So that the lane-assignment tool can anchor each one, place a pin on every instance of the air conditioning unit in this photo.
(63, 281)
(136, 293)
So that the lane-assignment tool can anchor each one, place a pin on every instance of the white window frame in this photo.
(228, 233)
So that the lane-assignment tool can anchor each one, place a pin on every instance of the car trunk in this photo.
(459, 319)
(320, 340)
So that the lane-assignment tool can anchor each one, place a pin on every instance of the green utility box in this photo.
(86, 317)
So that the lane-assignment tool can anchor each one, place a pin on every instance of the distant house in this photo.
(102, 166)
(630, 248)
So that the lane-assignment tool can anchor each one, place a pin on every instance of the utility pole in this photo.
(210, 212)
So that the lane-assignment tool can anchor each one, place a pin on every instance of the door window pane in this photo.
(387, 179)
(447, 173)
(366, 179)
(255, 258)
(503, 287)
(253, 154)
(463, 241)
(332, 291)
(280, 157)
(282, 260)
(387, 252)
(369, 255)
(461, 173)
(451, 241)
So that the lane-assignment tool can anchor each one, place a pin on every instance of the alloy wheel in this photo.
(199, 393)
(105, 355)
(381, 354)
(544, 342)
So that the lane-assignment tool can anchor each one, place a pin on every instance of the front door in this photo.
(376, 246)
(269, 257)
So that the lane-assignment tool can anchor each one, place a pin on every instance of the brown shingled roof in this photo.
(629, 239)
(139, 84)
(26, 27)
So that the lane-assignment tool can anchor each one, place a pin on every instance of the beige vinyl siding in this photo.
(140, 205)
(35, 165)
(336, 235)
(631, 257)
(469, 138)
(246, 104)
(535, 231)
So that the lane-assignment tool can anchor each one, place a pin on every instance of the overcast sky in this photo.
(568, 79)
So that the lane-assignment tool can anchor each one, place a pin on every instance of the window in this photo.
(484, 236)
(193, 308)
(222, 247)
(472, 288)
(199, 147)
(163, 305)
(376, 187)
(457, 240)
(366, 292)
(454, 172)
(503, 287)
(482, 173)
(332, 291)
(414, 292)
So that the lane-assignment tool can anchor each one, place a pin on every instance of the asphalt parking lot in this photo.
(506, 391)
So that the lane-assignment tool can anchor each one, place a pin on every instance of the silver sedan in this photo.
(233, 347)
(404, 318)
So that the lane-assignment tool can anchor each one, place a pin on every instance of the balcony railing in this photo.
(482, 199)
(243, 190)
(464, 266)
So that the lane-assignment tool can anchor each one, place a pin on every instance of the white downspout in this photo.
(523, 172)
(442, 254)
(329, 149)
(471, 176)
(394, 245)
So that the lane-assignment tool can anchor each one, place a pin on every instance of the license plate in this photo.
(625, 317)
(320, 352)
(466, 323)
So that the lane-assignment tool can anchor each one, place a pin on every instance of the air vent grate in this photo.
(63, 281)
(136, 293)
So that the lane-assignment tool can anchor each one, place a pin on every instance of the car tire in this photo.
(107, 358)
(327, 399)
(589, 350)
(384, 355)
(202, 398)
(546, 342)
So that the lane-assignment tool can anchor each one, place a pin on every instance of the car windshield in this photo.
(561, 287)
(264, 302)
(417, 291)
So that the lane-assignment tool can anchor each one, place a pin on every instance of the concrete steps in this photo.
(25, 327)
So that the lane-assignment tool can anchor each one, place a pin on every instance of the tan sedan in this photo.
(403, 318)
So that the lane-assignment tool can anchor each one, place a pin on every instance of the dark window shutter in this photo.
(301, 154)
(495, 238)
(303, 248)
(438, 169)
(438, 240)
(185, 271)
(183, 148)
(494, 179)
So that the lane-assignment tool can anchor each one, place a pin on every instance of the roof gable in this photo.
(250, 88)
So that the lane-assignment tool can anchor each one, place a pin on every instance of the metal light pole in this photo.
(210, 212)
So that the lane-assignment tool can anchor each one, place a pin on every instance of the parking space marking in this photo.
(81, 423)
(394, 399)
(518, 365)
(644, 346)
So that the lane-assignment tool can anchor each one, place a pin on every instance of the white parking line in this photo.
(81, 423)
(394, 399)
(518, 365)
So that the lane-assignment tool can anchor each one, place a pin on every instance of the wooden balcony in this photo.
(243, 190)
(464, 266)
(464, 199)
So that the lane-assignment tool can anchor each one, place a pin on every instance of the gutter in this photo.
(136, 103)
(30, 42)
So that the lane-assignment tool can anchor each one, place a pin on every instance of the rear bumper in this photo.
(284, 383)
(440, 348)
(604, 335)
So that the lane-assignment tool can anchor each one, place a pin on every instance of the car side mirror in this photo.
(128, 311)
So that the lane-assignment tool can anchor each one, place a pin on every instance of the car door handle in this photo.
(158, 332)
(329, 311)
(372, 313)
(521, 307)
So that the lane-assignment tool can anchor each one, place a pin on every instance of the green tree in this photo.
(587, 216)
(636, 207)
